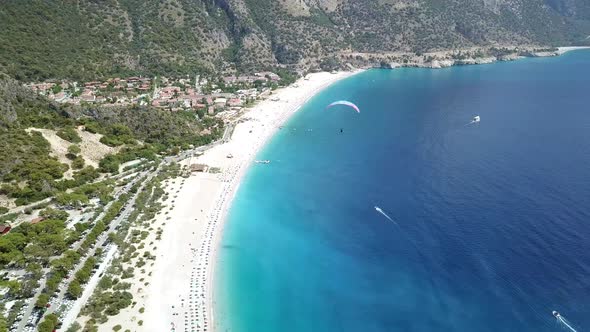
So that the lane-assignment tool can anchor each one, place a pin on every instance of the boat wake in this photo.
(378, 209)
(563, 321)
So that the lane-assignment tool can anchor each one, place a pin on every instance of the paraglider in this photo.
(345, 103)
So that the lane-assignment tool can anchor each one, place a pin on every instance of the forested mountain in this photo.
(87, 39)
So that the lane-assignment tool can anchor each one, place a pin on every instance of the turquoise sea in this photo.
(491, 226)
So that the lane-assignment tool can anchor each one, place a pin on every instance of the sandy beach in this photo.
(179, 296)
(561, 50)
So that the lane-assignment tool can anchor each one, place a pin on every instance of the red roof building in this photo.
(4, 229)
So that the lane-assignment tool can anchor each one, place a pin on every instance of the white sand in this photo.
(561, 50)
(180, 293)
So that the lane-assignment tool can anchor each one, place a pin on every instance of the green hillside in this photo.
(29, 173)
(88, 39)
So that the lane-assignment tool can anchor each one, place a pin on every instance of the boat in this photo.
(476, 118)
(556, 314)
(262, 161)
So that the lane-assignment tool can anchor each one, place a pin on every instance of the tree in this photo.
(73, 151)
(37, 252)
(54, 214)
(56, 89)
(14, 287)
(42, 300)
(3, 323)
(109, 164)
(71, 199)
(35, 269)
(49, 324)
(75, 290)
(105, 282)
(69, 134)
(78, 163)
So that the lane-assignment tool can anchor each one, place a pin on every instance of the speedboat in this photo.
(476, 118)
(556, 314)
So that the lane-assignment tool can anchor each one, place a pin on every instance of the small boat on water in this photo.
(476, 118)
(556, 314)
(262, 161)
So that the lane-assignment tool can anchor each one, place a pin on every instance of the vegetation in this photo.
(48, 324)
(82, 277)
(112, 294)
(42, 300)
(74, 327)
(74, 289)
(69, 134)
(73, 150)
(97, 39)
(28, 173)
(35, 243)
(3, 322)
(109, 303)
(35, 166)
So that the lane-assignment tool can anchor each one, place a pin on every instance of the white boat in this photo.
(476, 118)
(262, 161)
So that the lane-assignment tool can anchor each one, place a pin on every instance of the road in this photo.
(31, 305)
(91, 285)
(228, 131)
(93, 282)
(100, 242)
(125, 211)
(70, 317)
(21, 209)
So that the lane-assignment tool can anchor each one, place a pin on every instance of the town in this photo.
(200, 94)
(62, 283)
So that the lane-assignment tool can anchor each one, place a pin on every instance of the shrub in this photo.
(74, 327)
(78, 163)
(70, 135)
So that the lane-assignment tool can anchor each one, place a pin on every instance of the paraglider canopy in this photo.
(345, 103)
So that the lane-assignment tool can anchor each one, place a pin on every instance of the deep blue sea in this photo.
(492, 220)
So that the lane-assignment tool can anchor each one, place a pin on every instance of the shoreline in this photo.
(197, 276)
(186, 263)
(445, 59)
(565, 49)
(244, 167)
